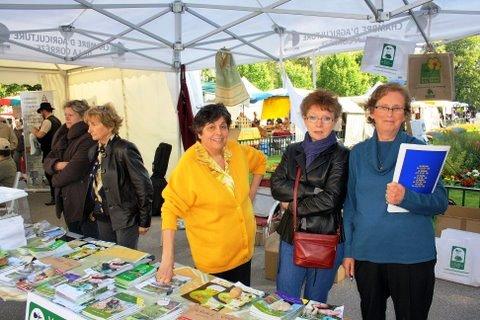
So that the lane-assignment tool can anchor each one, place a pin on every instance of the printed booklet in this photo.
(315, 310)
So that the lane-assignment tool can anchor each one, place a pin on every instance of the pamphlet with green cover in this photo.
(131, 277)
(156, 311)
(114, 307)
(274, 307)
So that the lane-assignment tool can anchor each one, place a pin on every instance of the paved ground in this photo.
(451, 301)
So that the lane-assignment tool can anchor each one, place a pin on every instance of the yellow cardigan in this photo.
(220, 227)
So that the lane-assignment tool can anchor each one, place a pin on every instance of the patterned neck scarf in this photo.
(97, 181)
(222, 175)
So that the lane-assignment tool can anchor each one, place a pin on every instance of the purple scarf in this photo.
(313, 148)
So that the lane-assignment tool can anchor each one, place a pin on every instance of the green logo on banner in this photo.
(36, 312)
(457, 258)
(388, 55)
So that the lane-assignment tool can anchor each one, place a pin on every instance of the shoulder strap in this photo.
(295, 197)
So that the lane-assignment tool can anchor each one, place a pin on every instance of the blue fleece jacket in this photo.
(372, 233)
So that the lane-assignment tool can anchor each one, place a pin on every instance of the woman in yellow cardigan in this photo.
(209, 189)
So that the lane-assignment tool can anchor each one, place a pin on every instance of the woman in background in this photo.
(121, 187)
(69, 166)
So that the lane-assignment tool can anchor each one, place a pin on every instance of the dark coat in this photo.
(126, 183)
(321, 191)
(71, 184)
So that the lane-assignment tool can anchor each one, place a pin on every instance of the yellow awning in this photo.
(276, 107)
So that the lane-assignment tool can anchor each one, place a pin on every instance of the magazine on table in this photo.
(83, 251)
(136, 275)
(273, 307)
(117, 306)
(218, 294)
(83, 289)
(418, 168)
(48, 288)
(110, 268)
(27, 275)
(315, 310)
(152, 286)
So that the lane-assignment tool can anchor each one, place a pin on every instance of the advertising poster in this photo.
(31, 100)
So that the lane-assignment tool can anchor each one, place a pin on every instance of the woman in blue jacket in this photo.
(389, 254)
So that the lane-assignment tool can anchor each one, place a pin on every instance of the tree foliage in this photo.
(467, 69)
(262, 75)
(13, 89)
(341, 74)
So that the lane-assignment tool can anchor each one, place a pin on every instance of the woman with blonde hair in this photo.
(121, 188)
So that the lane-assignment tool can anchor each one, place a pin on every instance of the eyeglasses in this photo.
(324, 119)
(386, 109)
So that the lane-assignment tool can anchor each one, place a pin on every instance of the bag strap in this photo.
(295, 197)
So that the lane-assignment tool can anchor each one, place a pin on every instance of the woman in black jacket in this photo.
(324, 168)
(69, 166)
(121, 188)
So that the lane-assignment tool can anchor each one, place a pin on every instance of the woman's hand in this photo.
(142, 230)
(59, 166)
(349, 265)
(165, 271)
(395, 193)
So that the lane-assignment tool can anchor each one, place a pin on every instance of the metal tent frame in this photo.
(133, 39)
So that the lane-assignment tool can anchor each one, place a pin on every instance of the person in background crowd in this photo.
(19, 152)
(121, 187)
(6, 132)
(44, 134)
(7, 165)
(209, 189)
(323, 162)
(389, 254)
(69, 166)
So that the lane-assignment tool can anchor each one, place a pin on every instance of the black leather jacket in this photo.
(126, 183)
(321, 190)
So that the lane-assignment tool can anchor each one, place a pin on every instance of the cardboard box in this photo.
(272, 244)
(461, 218)
(341, 275)
(260, 236)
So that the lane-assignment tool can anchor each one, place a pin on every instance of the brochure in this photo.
(84, 289)
(218, 294)
(114, 307)
(315, 310)
(152, 286)
(418, 168)
(136, 275)
(110, 268)
(273, 307)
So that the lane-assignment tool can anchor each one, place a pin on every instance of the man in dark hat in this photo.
(44, 134)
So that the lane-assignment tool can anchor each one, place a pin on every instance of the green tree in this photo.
(300, 74)
(261, 75)
(341, 74)
(466, 63)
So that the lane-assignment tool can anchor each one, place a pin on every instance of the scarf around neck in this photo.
(313, 148)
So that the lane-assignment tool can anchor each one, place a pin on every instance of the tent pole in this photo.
(424, 36)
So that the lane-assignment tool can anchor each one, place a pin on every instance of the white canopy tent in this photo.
(160, 35)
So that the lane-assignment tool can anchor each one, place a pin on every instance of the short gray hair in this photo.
(78, 106)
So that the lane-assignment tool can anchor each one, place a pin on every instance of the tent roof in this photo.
(161, 34)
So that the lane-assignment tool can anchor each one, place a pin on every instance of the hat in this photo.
(4, 144)
(45, 106)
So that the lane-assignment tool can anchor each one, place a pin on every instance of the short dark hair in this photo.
(382, 91)
(208, 114)
(326, 100)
